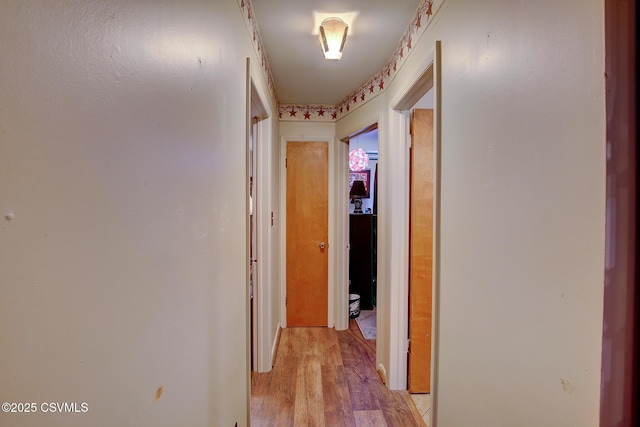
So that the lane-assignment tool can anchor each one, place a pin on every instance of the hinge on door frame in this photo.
(408, 345)
(285, 162)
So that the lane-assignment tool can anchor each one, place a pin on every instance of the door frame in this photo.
(263, 265)
(258, 132)
(345, 213)
(301, 310)
(336, 244)
(398, 124)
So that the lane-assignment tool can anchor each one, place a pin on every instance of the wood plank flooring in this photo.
(324, 377)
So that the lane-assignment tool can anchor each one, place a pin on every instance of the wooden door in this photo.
(307, 233)
(420, 250)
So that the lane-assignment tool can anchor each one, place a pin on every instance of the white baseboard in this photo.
(274, 347)
(382, 372)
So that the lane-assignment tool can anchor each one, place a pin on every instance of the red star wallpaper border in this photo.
(372, 88)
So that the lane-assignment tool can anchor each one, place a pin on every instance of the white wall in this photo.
(122, 193)
(523, 182)
(522, 210)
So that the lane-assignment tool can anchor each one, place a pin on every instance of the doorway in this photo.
(257, 113)
(363, 254)
(307, 231)
(253, 244)
(425, 89)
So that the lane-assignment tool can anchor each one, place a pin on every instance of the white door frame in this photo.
(335, 246)
(259, 131)
(398, 124)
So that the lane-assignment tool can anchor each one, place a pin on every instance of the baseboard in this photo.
(276, 343)
(382, 372)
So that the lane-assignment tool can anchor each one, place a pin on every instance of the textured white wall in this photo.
(523, 185)
(522, 210)
(122, 193)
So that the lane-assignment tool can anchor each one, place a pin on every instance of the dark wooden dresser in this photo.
(363, 258)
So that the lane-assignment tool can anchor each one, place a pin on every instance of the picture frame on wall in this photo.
(363, 175)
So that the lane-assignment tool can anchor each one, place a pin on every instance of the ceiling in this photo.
(300, 73)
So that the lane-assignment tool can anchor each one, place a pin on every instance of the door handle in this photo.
(322, 245)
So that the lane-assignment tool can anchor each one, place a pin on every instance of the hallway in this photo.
(126, 129)
(326, 377)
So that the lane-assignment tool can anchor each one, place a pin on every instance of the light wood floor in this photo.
(324, 377)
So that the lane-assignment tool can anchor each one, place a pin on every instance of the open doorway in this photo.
(255, 222)
(419, 317)
(252, 248)
(363, 253)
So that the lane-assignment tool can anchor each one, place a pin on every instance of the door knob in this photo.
(322, 245)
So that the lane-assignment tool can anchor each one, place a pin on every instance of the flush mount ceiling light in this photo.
(333, 34)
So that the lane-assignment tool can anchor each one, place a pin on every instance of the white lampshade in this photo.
(333, 34)
(358, 160)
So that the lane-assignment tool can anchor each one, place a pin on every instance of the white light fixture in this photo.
(333, 34)
(358, 160)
